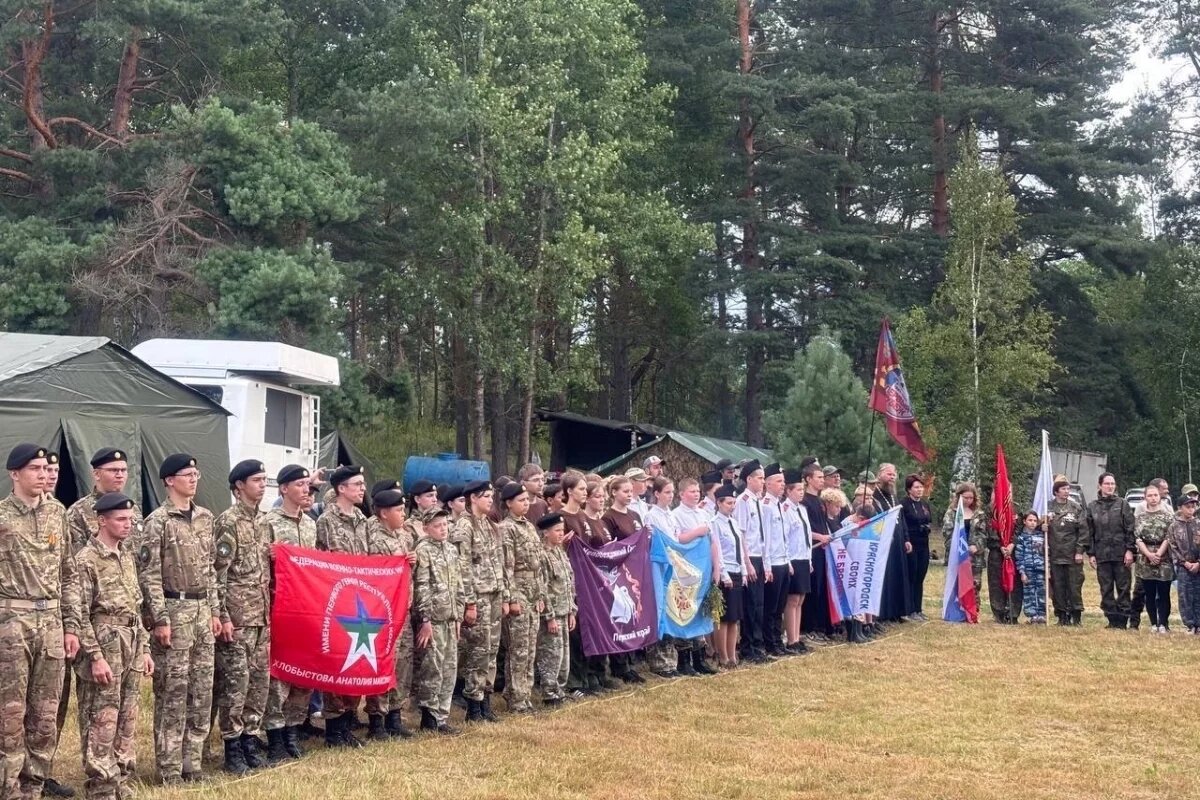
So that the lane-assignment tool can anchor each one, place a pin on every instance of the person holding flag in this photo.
(1004, 590)
(959, 601)
(1066, 531)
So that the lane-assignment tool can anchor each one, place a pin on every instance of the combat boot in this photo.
(252, 749)
(235, 758)
(857, 627)
(474, 710)
(394, 724)
(485, 709)
(428, 722)
(684, 664)
(375, 729)
(701, 666)
(1076, 617)
(291, 741)
(53, 788)
(333, 731)
(346, 728)
(276, 749)
(1063, 619)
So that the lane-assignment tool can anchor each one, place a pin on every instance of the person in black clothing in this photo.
(896, 604)
(916, 518)
(814, 619)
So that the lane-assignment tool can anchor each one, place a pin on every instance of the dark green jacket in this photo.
(1110, 528)
(1067, 529)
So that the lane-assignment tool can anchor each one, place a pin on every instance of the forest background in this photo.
(693, 213)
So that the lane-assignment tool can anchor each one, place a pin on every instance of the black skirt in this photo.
(801, 580)
(815, 616)
(897, 597)
(733, 599)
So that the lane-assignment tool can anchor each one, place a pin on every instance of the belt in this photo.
(200, 595)
(119, 620)
(41, 604)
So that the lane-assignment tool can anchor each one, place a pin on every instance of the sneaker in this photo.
(1155, 629)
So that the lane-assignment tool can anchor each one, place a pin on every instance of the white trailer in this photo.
(1080, 467)
(273, 420)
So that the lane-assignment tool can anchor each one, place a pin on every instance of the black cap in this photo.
(549, 521)
(22, 454)
(791, 476)
(725, 490)
(448, 494)
(804, 462)
(772, 469)
(113, 501)
(388, 498)
(750, 467)
(343, 474)
(51, 457)
(245, 469)
(108, 455)
(422, 487)
(510, 491)
(1187, 499)
(475, 487)
(292, 472)
(712, 476)
(175, 464)
(724, 464)
(384, 486)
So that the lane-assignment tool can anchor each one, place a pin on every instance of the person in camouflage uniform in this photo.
(243, 570)
(39, 623)
(1185, 554)
(482, 559)
(1111, 548)
(558, 619)
(977, 530)
(453, 501)
(440, 604)
(423, 503)
(524, 597)
(342, 528)
(1067, 530)
(287, 705)
(1153, 566)
(182, 609)
(389, 537)
(115, 651)
(1030, 556)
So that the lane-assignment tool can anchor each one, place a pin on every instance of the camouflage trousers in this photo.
(396, 699)
(243, 680)
(662, 656)
(553, 659)
(32, 661)
(108, 715)
(287, 705)
(183, 688)
(435, 681)
(521, 635)
(481, 643)
(1034, 591)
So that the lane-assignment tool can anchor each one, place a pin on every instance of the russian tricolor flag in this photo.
(958, 602)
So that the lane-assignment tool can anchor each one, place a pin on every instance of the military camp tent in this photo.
(76, 394)
(337, 451)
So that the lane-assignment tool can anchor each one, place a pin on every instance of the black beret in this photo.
(791, 476)
(113, 501)
(475, 487)
(549, 521)
(175, 464)
(388, 498)
(725, 490)
(384, 486)
(712, 476)
(343, 474)
(292, 472)
(724, 464)
(52, 457)
(750, 467)
(804, 462)
(107, 456)
(22, 454)
(244, 469)
(422, 487)
(510, 491)
(448, 494)
(503, 481)
(772, 469)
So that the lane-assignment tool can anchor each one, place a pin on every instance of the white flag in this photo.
(1045, 480)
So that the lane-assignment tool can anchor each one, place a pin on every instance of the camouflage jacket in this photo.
(438, 583)
(1153, 528)
(415, 523)
(276, 526)
(339, 532)
(110, 601)
(384, 542)
(1185, 540)
(560, 583)
(478, 542)
(243, 566)
(175, 554)
(83, 522)
(977, 534)
(1030, 553)
(524, 577)
(35, 557)
(1067, 530)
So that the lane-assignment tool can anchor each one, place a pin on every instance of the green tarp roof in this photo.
(707, 447)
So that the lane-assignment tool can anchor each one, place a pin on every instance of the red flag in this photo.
(1003, 518)
(336, 618)
(889, 397)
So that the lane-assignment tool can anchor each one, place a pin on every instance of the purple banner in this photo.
(614, 588)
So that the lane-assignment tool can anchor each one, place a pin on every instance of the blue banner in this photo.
(682, 576)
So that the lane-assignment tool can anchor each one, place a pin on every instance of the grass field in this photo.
(933, 711)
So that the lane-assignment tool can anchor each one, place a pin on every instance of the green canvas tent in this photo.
(76, 394)
(337, 451)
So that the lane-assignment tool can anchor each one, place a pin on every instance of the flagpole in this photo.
(870, 444)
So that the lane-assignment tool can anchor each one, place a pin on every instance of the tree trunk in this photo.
(478, 395)
(460, 376)
(499, 427)
(748, 257)
(33, 52)
(126, 86)
(941, 193)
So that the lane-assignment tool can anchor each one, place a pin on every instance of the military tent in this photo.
(76, 394)
(338, 451)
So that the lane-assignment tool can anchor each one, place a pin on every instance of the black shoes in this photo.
(55, 789)
(394, 725)
(235, 758)
(375, 729)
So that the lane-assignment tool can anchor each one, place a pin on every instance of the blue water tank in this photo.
(444, 469)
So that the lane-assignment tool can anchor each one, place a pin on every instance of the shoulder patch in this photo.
(144, 555)
(224, 548)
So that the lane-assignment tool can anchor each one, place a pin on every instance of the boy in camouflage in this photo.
(553, 654)
(1031, 564)
(115, 651)
(440, 600)
(524, 596)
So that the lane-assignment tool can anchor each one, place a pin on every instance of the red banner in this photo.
(889, 397)
(336, 618)
(1003, 517)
